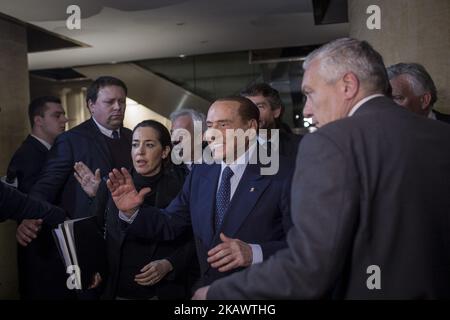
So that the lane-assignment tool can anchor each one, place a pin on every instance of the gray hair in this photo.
(417, 76)
(345, 55)
(194, 114)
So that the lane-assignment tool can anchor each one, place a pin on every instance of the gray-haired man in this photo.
(369, 199)
(188, 124)
(414, 89)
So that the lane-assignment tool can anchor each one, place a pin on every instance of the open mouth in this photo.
(141, 163)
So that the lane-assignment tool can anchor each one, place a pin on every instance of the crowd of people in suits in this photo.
(368, 188)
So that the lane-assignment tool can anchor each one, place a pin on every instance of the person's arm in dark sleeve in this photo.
(57, 169)
(164, 224)
(182, 259)
(325, 208)
(270, 247)
(18, 206)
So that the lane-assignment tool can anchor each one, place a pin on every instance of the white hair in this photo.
(345, 55)
(417, 76)
(194, 114)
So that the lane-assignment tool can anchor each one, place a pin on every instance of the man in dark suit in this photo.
(100, 142)
(47, 120)
(271, 109)
(18, 206)
(238, 216)
(370, 195)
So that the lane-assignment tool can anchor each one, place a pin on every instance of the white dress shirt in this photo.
(362, 101)
(106, 132)
(45, 143)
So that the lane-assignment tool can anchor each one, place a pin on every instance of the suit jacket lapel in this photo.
(250, 188)
(205, 211)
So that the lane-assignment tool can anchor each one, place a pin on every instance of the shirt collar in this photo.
(432, 115)
(362, 101)
(45, 143)
(105, 131)
(240, 163)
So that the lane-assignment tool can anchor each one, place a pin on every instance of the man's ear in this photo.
(350, 85)
(276, 112)
(425, 100)
(89, 105)
(37, 120)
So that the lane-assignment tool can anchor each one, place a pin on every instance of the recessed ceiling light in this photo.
(182, 56)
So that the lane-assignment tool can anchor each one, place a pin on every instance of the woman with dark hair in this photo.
(139, 269)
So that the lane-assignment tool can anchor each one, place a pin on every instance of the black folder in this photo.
(81, 243)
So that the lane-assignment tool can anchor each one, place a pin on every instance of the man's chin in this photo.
(114, 125)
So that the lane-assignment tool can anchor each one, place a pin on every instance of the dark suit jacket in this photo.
(371, 189)
(289, 143)
(27, 162)
(258, 213)
(18, 206)
(36, 268)
(57, 184)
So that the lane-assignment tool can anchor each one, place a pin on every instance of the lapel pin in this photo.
(252, 189)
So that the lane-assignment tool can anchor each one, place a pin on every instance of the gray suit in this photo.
(371, 189)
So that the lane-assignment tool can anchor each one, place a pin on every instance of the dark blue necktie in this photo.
(223, 197)
(115, 134)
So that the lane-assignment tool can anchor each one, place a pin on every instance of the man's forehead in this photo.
(184, 120)
(53, 106)
(223, 108)
(258, 98)
(110, 89)
(400, 83)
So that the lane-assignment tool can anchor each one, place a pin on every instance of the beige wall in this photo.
(14, 127)
(411, 31)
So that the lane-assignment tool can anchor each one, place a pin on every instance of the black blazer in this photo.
(369, 190)
(27, 162)
(57, 184)
(258, 213)
(40, 272)
(18, 206)
(289, 143)
(180, 253)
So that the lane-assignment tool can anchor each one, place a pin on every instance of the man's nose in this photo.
(307, 111)
(117, 105)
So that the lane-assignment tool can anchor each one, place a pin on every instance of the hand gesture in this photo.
(230, 254)
(124, 193)
(153, 272)
(87, 180)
